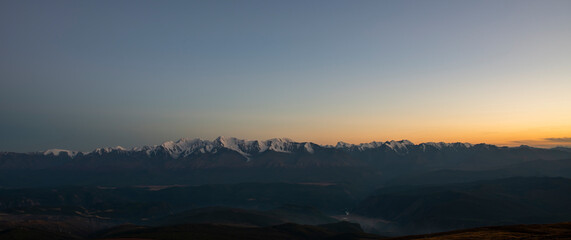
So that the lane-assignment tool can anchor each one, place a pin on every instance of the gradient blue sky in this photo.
(85, 74)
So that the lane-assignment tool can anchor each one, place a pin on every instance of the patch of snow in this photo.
(399, 145)
(343, 145)
(438, 145)
(365, 146)
(235, 144)
(308, 147)
(182, 147)
(101, 151)
(57, 152)
(442, 145)
(279, 144)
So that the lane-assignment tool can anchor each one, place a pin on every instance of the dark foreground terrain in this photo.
(535, 231)
(340, 230)
(386, 211)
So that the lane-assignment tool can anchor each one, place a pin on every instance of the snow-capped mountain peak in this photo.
(308, 147)
(185, 147)
(341, 144)
(243, 147)
(399, 145)
(279, 144)
(57, 152)
(442, 145)
(180, 147)
(101, 151)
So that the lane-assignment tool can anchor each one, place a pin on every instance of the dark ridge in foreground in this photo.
(340, 230)
(534, 231)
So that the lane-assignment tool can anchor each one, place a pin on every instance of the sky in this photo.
(85, 74)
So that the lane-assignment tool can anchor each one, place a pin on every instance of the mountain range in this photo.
(249, 150)
(196, 161)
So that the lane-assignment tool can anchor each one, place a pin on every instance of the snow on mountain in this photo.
(441, 145)
(398, 146)
(243, 147)
(57, 152)
(374, 144)
(343, 145)
(308, 147)
(185, 147)
(101, 151)
(280, 145)
(248, 148)
(182, 147)
(438, 145)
